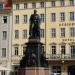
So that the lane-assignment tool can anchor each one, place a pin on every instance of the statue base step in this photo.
(34, 71)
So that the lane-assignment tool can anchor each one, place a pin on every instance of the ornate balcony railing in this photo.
(3, 58)
(52, 57)
(61, 56)
(73, 56)
(65, 56)
(55, 56)
(19, 57)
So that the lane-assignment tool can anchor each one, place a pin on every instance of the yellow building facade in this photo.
(57, 32)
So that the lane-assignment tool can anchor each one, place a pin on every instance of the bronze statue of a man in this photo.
(34, 25)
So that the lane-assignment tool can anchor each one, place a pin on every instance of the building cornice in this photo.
(5, 11)
(22, 1)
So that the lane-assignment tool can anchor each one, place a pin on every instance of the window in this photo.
(17, 6)
(53, 17)
(33, 5)
(42, 17)
(62, 32)
(16, 50)
(53, 3)
(62, 14)
(42, 4)
(42, 33)
(3, 73)
(53, 32)
(1, 6)
(25, 34)
(17, 19)
(53, 49)
(62, 3)
(73, 51)
(63, 49)
(71, 2)
(4, 35)
(56, 70)
(24, 49)
(72, 32)
(4, 19)
(25, 5)
(16, 34)
(71, 16)
(16, 67)
(25, 18)
(3, 52)
(43, 49)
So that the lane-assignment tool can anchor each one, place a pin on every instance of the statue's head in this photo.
(35, 11)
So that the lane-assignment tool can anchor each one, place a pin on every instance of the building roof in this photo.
(7, 4)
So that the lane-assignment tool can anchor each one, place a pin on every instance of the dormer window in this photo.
(1, 6)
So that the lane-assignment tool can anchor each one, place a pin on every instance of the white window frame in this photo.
(24, 34)
(72, 16)
(1, 6)
(42, 16)
(53, 32)
(42, 33)
(16, 34)
(16, 19)
(33, 4)
(62, 16)
(16, 53)
(62, 32)
(17, 6)
(25, 5)
(53, 17)
(71, 2)
(53, 3)
(72, 32)
(25, 19)
(62, 3)
(3, 52)
(4, 35)
(53, 49)
(4, 18)
(42, 4)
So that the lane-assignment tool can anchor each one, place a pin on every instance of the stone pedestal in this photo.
(34, 55)
(34, 61)
(33, 71)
